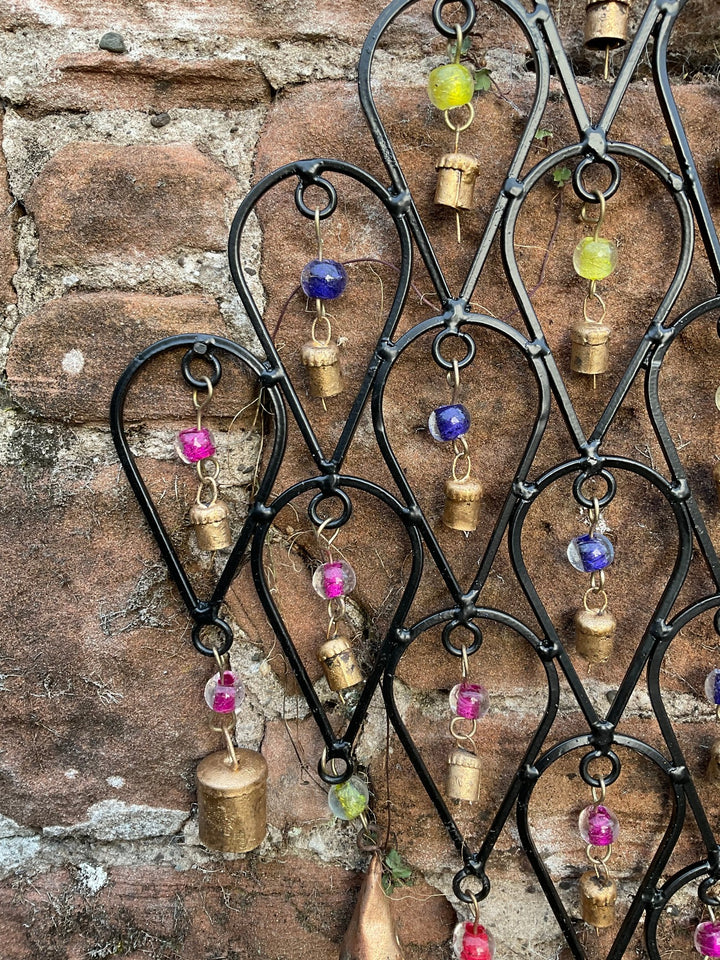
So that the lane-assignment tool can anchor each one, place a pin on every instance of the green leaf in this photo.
(561, 176)
(482, 80)
(399, 870)
(543, 134)
(452, 47)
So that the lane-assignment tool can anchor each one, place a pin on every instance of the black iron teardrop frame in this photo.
(456, 319)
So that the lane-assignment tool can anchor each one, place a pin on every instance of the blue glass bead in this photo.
(449, 423)
(712, 687)
(323, 279)
(589, 552)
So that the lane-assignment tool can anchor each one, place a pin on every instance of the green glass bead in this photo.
(595, 259)
(451, 85)
(348, 800)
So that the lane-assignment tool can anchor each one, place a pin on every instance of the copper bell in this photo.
(594, 634)
(231, 801)
(371, 934)
(339, 665)
(322, 361)
(457, 173)
(713, 768)
(463, 776)
(590, 353)
(211, 525)
(597, 899)
(606, 24)
(462, 504)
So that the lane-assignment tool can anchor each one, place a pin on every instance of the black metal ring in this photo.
(598, 755)
(579, 186)
(605, 499)
(334, 778)
(469, 648)
(462, 875)
(200, 350)
(471, 349)
(223, 626)
(328, 210)
(448, 29)
(703, 894)
(336, 522)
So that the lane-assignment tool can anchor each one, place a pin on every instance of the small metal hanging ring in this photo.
(220, 660)
(199, 404)
(590, 196)
(455, 473)
(601, 797)
(476, 912)
(336, 608)
(588, 477)
(586, 304)
(599, 860)
(207, 469)
(458, 733)
(609, 778)
(595, 511)
(704, 892)
(599, 593)
(464, 449)
(207, 482)
(458, 128)
(223, 627)
(446, 29)
(331, 776)
(466, 665)
(329, 191)
(597, 580)
(318, 234)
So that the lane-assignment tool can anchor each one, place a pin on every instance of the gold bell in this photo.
(594, 634)
(339, 665)
(462, 504)
(457, 173)
(322, 361)
(713, 767)
(590, 353)
(371, 933)
(211, 525)
(463, 776)
(606, 24)
(232, 801)
(597, 899)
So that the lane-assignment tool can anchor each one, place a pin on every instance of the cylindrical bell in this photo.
(339, 664)
(713, 767)
(462, 504)
(457, 173)
(231, 801)
(211, 525)
(590, 353)
(594, 634)
(606, 24)
(322, 361)
(597, 899)
(463, 776)
(716, 478)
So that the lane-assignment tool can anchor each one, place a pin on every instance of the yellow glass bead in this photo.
(595, 259)
(451, 85)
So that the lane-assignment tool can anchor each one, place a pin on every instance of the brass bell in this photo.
(371, 933)
(594, 634)
(589, 352)
(211, 525)
(339, 665)
(457, 173)
(713, 768)
(606, 24)
(463, 776)
(322, 361)
(462, 504)
(232, 801)
(598, 896)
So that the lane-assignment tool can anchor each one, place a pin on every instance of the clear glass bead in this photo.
(469, 700)
(707, 938)
(348, 800)
(449, 422)
(226, 695)
(598, 825)
(323, 279)
(712, 687)
(595, 259)
(451, 85)
(193, 445)
(335, 579)
(590, 552)
(470, 943)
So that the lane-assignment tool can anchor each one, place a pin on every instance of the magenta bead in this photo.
(224, 695)
(193, 445)
(707, 938)
(334, 579)
(598, 825)
(472, 943)
(469, 700)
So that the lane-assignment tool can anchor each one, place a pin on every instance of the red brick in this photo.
(96, 204)
(296, 795)
(102, 80)
(8, 256)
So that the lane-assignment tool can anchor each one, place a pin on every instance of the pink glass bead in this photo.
(598, 825)
(226, 694)
(193, 445)
(707, 938)
(469, 700)
(335, 579)
(472, 943)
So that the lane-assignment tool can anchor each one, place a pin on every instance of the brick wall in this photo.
(119, 175)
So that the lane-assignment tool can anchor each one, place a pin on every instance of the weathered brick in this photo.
(102, 80)
(296, 795)
(8, 256)
(96, 204)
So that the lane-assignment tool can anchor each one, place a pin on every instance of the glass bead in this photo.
(595, 259)
(323, 279)
(707, 938)
(336, 579)
(470, 943)
(348, 800)
(451, 85)
(193, 445)
(469, 700)
(226, 695)
(712, 687)
(598, 825)
(449, 422)
(590, 552)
